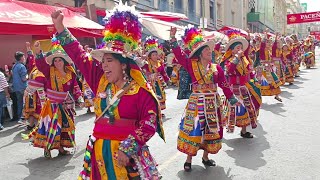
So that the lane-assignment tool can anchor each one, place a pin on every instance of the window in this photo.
(178, 6)
(211, 10)
(163, 5)
(219, 11)
(191, 6)
(233, 17)
(146, 2)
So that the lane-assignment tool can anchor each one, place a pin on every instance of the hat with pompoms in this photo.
(193, 39)
(236, 37)
(151, 45)
(122, 33)
(57, 52)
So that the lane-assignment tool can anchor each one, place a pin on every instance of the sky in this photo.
(313, 5)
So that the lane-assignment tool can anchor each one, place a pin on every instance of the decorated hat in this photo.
(193, 39)
(122, 33)
(57, 52)
(236, 37)
(294, 37)
(151, 45)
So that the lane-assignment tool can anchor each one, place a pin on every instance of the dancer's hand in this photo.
(57, 19)
(173, 32)
(37, 47)
(28, 46)
(123, 159)
(239, 54)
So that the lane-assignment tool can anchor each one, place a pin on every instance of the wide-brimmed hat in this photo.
(151, 45)
(57, 52)
(193, 39)
(234, 37)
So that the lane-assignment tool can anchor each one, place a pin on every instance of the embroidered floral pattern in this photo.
(129, 146)
(65, 37)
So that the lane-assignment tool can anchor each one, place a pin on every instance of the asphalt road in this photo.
(286, 144)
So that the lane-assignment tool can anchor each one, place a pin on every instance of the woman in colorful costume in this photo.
(270, 83)
(35, 92)
(62, 89)
(155, 70)
(127, 110)
(295, 46)
(287, 60)
(308, 54)
(88, 95)
(277, 58)
(202, 126)
(243, 83)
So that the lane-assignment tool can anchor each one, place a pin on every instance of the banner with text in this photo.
(315, 33)
(303, 17)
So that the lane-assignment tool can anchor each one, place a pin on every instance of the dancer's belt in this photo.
(203, 87)
(119, 130)
(239, 80)
(56, 96)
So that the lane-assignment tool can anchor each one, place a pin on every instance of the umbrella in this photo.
(164, 16)
(217, 36)
(161, 29)
(227, 28)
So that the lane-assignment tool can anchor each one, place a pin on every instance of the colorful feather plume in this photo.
(151, 43)
(56, 47)
(122, 27)
(233, 33)
(192, 36)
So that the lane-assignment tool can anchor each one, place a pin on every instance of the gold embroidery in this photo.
(58, 80)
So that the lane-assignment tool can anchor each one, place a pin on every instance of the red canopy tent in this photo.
(24, 18)
(164, 16)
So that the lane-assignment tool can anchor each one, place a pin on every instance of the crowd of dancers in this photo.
(125, 81)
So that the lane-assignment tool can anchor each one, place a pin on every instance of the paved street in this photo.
(286, 144)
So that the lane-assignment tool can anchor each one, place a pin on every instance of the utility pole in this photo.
(203, 14)
(93, 17)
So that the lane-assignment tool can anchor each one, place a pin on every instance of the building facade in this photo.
(293, 7)
(232, 13)
(261, 15)
(280, 16)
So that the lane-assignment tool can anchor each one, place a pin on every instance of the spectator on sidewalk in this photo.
(4, 94)
(19, 83)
